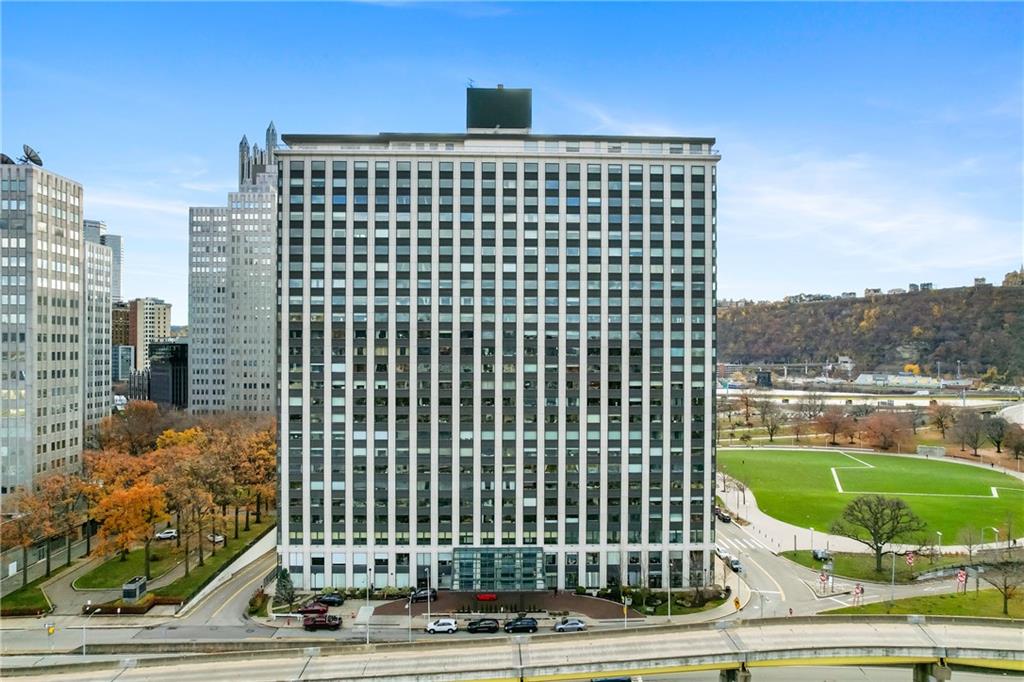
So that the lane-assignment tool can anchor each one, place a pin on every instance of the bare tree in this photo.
(831, 422)
(876, 521)
(970, 538)
(747, 401)
(1007, 577)
(885, 430)
(1015, 441)
(996, 429)
(942, 416)
(772, 417)
(811, 405)
(799, 429)
(969, 430)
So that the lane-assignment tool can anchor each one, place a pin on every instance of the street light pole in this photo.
(88, 603)
(939, 533)
(812, 540)
(369, 583)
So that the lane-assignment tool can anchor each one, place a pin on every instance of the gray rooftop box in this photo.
(499, 108)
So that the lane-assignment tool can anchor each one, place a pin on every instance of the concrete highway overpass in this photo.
(928, 647)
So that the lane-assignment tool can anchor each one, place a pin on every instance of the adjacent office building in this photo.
(233, 291)
(96, 333)
(42, 261)
(168, 374)
(96, 231)
(149, 321)
(496, 356)
(120, 325)
(121, 363)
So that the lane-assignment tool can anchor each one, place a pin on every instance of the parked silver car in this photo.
(570, 625)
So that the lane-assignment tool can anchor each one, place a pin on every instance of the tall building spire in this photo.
(271, 142)
(244, 165)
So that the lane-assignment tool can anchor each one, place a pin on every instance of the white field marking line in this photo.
(865, 465)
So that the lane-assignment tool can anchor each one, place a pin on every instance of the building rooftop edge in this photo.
(318, 138)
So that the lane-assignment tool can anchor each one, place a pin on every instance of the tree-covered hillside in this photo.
(981, 326)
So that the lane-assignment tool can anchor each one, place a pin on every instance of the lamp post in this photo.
(812, 539)
(369, 585)
(88, 602)
(939, 533)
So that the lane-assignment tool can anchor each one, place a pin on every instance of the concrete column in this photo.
(931, 672)
(736, 675)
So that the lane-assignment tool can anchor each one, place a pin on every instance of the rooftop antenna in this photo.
(31, 155)
(471, 82)
(4, 159)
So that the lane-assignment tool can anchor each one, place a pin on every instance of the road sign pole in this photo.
(892, 587)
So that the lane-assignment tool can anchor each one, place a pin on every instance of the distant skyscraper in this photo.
(149, 321)
(120, 326)
(233, 290)
(96, 333)
(496, 357)
(42, 268)
(96, 231)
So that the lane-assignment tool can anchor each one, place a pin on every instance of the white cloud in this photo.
(138, 202)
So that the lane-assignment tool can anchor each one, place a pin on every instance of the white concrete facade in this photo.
(42, 261)
(96, 333)
(491, 341)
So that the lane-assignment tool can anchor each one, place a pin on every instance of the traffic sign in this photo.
(822, 578)
(910, 558)
(736, 603)
(961, 576)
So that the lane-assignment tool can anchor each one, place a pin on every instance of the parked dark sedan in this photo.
(331, 599)
(321, 622)
(483, 625)
(312, 608)
(521, 625)
(422, 594)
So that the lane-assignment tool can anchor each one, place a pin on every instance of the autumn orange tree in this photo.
(128, 517)
(63, 495)
(23, 527)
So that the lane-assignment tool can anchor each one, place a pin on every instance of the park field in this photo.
(810, 489)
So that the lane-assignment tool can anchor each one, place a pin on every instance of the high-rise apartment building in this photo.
(496, 356)
(96, 231)
(149, 321)
(96, 333)
(42, 260)
(233, 291)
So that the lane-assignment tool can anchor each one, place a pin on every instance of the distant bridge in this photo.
(929, 647)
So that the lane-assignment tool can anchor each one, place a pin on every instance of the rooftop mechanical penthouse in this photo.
(496, 356)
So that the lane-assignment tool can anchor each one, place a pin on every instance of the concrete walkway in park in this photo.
(780, 536)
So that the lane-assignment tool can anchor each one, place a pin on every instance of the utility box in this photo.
(133, 590)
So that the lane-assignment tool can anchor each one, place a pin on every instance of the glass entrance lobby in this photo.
(513, 569)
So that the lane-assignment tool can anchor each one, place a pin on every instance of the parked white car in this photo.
(448, 625)
(167, 534)
(215, 539)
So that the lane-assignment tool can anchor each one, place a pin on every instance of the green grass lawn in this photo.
(986, 603)
(798, 487)
(113, 572)
(31, 596)
(677, 610)
(862, 566)
(184, 587)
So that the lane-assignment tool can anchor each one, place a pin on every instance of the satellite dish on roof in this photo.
(5, 159)
(31, 155)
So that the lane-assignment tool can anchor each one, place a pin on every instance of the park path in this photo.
(780, 536)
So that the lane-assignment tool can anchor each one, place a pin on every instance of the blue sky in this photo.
(863, 144)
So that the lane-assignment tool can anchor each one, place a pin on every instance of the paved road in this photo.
(546, 655)
(783, 585)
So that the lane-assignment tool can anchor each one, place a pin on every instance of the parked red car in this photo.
(321, 622)
(313, 608)
(486, 596)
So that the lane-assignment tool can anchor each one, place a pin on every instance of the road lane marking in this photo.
(236, 593)
(782, 593)
(242, 570)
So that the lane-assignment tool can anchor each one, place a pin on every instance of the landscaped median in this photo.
(985, 603)
(114, 572)
(184, 588)
(28, 600)
(857, 566)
